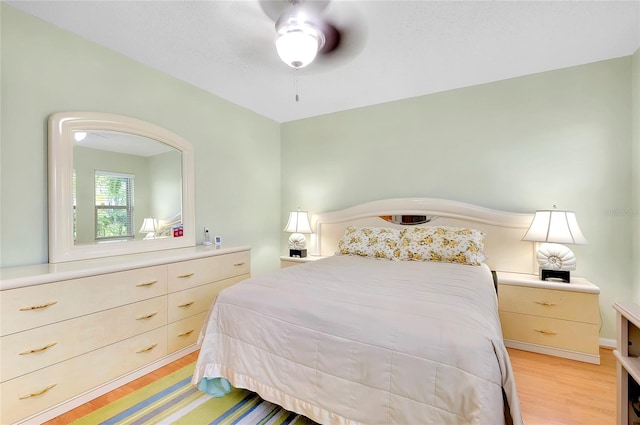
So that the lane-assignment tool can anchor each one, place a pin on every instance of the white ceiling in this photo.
(399, 49)
(127, 143)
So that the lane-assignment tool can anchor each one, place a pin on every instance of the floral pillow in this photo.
(375, 242)
(443, 244)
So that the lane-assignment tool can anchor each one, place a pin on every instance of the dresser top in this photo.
(16, 277)
(577, 284)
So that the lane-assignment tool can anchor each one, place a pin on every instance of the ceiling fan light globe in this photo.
(298, 45)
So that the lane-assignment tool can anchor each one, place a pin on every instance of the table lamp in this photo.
(554, 228)
(149, 226)
(297, 225)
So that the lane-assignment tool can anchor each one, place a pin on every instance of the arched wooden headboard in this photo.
(504, 230)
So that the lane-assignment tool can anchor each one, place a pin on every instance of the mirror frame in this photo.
(61, 127)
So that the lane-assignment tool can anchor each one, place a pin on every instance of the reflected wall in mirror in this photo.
(107, 174)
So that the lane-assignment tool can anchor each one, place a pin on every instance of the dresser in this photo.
(70, 332)
(555, 318)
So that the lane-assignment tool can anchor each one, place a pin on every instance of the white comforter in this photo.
(348, 340)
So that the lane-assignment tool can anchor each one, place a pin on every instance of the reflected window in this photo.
(114, 205)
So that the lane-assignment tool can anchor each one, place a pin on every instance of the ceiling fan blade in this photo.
(275, 8)
(343, 43)
(332, 38)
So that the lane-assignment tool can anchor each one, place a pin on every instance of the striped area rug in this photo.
(173, 400)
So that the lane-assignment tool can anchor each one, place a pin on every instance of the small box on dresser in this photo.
(555, 318)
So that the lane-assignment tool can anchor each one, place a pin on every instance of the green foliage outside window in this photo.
(114, 205)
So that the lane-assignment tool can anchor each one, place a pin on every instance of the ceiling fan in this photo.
(306, 31)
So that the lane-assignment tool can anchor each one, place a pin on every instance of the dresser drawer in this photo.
(191, 301)
(567, 305)
(29, 394)
(34, 349)
(185, 332)
(33, 306)
(564, 334)
(188, 274)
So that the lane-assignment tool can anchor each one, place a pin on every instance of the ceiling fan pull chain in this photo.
(295, 82)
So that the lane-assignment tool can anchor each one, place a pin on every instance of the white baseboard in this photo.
(552, 351)
(607, 343)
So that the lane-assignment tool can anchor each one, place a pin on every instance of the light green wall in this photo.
(165, 172)
(560, 137)
(45, 70)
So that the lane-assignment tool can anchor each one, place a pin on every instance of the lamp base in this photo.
(298, 253)
(562, 275)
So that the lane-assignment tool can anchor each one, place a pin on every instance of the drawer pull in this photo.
(544, 332)
(149, 348)
(39, 307)
(187, 333)
(37, 350)
(238, 264)
(186, 275)
(151, 282)
(187, 304)
(24, 397)
(146, 316)
(545, 303)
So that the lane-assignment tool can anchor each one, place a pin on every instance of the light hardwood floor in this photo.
(552, 391)
(555, 391)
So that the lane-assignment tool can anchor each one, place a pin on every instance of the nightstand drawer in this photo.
(567, 335)
(566, 305)
(286, 263)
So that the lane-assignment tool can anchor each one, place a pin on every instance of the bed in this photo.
(384, 332)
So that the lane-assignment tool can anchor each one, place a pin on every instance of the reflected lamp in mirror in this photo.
(298, 225)
(553, 229)
(79, 136)
(150, 227)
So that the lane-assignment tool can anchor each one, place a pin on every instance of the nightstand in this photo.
(627, 354)
(555, 318)
(286, 261)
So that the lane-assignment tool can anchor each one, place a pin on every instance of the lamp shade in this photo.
(149, 225)
(555, 226)
(298, 222)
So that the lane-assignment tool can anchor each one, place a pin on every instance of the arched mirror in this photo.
(117, 185)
